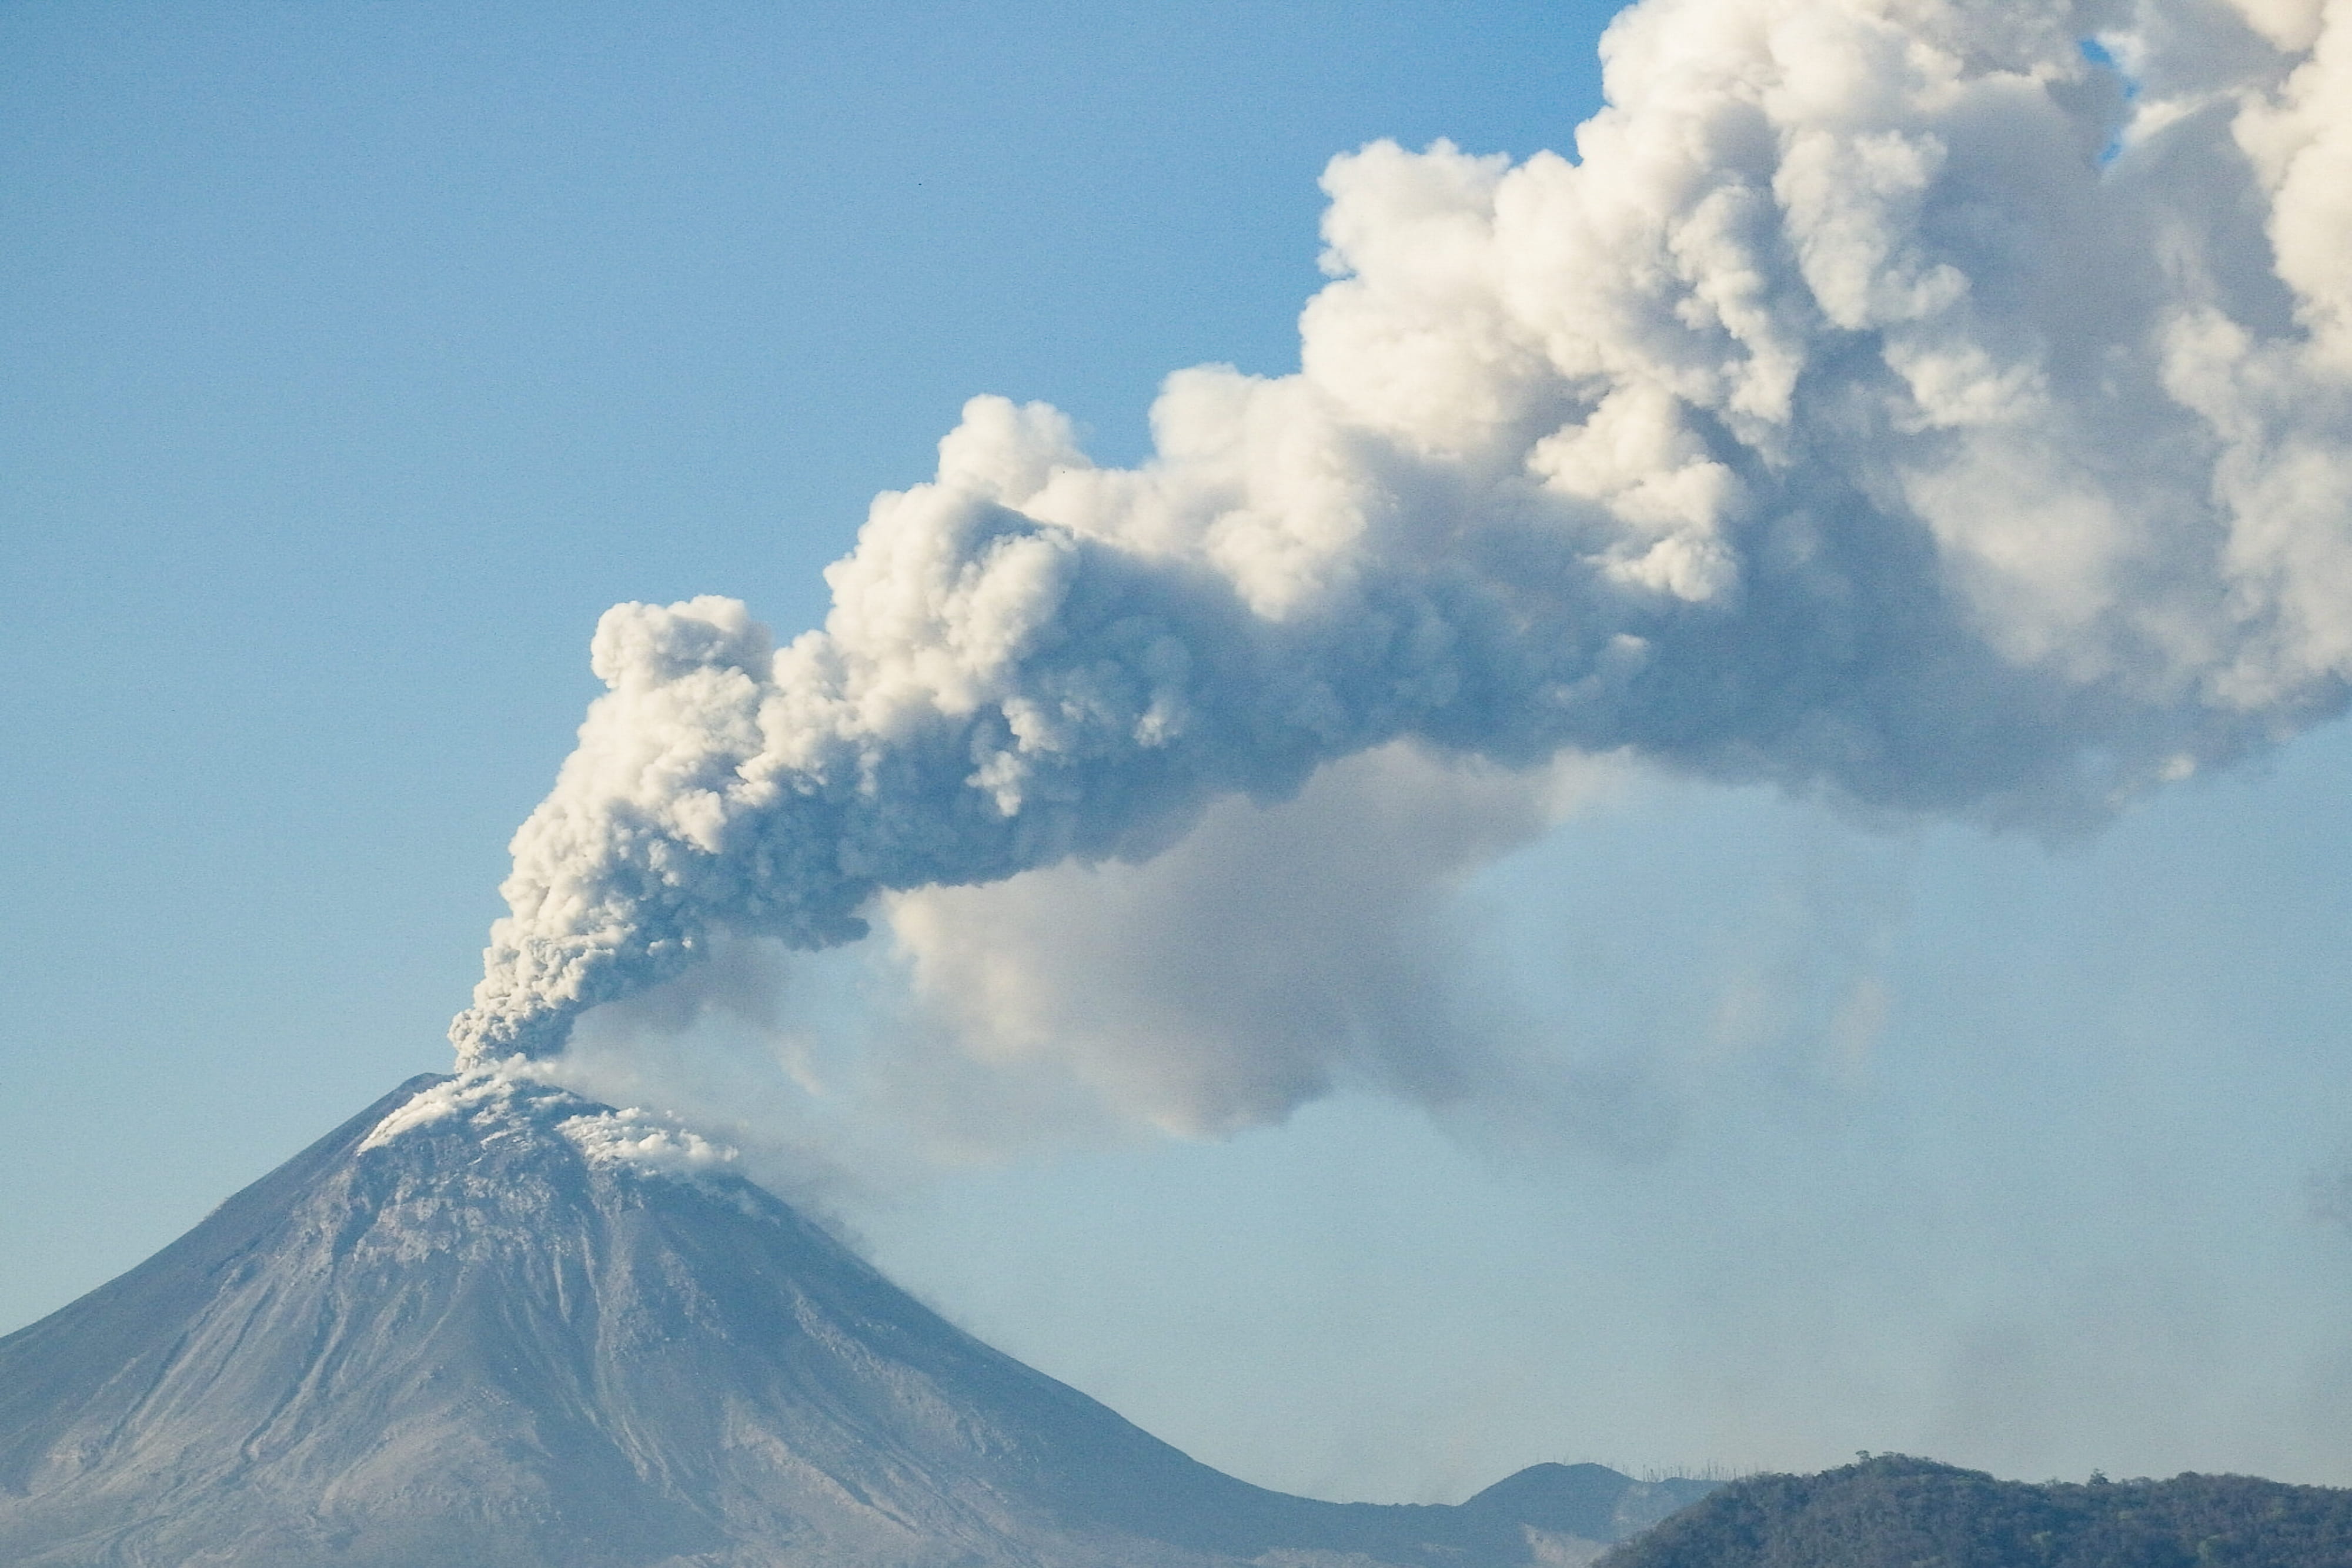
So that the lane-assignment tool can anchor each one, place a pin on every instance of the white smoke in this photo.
(1944, 405)
(1254, 965)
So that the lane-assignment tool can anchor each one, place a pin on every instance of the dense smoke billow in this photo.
(1939, 405)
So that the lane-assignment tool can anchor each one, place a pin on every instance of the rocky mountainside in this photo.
(493, 1323)
(1899, 1512)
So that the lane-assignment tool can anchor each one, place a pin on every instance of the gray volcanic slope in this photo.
(504, 1328)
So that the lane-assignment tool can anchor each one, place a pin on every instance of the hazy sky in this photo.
(361, 356)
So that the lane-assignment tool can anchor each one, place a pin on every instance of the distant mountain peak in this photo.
(490, 1321)
(1895, 1511)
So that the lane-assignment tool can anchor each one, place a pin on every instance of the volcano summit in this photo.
(491, 1322)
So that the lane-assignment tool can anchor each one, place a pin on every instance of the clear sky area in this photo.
(358, 357)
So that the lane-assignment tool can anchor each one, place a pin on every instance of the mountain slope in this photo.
(494, 1323)
(1900, 1512)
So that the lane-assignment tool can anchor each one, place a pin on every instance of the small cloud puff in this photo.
(647, 1142)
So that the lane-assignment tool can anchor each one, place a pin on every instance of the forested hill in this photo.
(1899, 1512)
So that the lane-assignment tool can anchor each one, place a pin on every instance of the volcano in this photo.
(492, 1324)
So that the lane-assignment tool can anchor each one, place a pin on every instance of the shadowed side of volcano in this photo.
(493, 1322)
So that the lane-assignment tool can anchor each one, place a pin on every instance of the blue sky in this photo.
(363, 355)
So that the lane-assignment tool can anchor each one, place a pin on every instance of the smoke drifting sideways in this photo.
(1945, 408)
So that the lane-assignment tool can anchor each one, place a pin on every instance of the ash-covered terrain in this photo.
(493, 1323)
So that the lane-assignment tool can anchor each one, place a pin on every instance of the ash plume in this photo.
(1943, 406)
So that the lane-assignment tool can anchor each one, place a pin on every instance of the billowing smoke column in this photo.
(1945, 405)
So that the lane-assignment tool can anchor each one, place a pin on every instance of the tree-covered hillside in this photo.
(1899, 1512)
